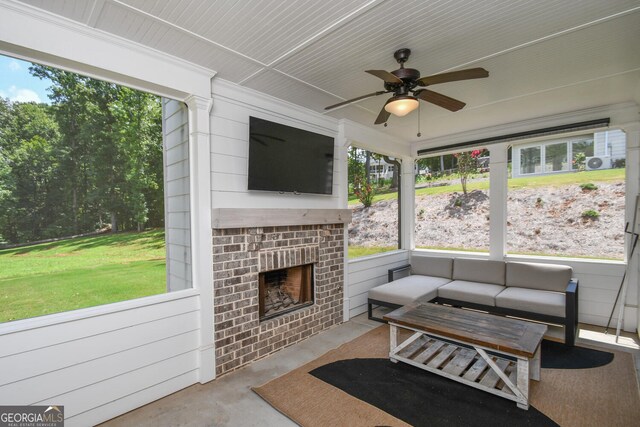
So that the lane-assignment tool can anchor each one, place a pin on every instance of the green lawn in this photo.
(574, 178)
(360, 251)
(77, 273)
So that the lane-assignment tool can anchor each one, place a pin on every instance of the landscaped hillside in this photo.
(547, 215)
(84, 272)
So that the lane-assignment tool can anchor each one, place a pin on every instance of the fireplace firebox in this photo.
(285, 290)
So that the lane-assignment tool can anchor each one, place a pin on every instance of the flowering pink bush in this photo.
(467, 165)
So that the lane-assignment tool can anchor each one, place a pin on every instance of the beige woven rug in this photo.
(605, 396)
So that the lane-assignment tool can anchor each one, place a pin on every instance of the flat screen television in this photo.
(286, 159)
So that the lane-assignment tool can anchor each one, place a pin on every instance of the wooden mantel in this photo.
(243, 218)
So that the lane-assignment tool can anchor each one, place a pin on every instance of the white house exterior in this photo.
(602, 150)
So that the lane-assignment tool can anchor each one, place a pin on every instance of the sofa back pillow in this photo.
(546, 277)
(479, 270)
(431, 266)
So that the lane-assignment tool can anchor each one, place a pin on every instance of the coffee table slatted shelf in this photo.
(456, 362)
(497, 355)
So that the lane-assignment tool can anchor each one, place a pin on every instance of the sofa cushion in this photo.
(408, 289)
(432, 266)
(474, 292)
(547, 277)
(479, 270)
(532, 300)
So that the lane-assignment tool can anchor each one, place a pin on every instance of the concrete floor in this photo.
(229, 401)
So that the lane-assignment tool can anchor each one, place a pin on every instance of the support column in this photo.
(628, 317)
(342, 164)
(201, 234)
(498, 174)
(408, 210)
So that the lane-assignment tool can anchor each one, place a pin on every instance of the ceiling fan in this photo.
(406, 86)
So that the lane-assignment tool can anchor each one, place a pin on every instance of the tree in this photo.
(71, 98)
(356, 168)
(467, 164)
(28, 194)
(112, 152)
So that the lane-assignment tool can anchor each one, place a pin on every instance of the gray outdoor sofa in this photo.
(535, 291)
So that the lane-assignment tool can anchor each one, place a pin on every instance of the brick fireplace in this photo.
(244, 256)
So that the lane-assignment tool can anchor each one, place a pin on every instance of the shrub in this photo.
(364, 193)
(619, 163)
(588, 186)
(467, 165)
(579, 161)
(590, 214)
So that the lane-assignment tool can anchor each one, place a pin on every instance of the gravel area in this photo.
(543, 220)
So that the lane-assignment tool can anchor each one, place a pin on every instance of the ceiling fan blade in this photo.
(385, 75)
(471, 73)
(439, 99)
(340, 104)
(383, 116)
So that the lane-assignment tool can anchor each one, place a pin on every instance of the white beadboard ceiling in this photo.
(543, 56)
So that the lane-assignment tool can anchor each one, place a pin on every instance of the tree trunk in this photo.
(367, 164)
(114, 222)
(74, 207)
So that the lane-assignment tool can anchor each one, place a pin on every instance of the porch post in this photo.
(498, 175)
(632, 288)
(201, 234)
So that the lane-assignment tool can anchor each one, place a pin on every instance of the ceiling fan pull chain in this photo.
(419, 114)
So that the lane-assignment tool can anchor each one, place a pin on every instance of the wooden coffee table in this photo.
(495, 354)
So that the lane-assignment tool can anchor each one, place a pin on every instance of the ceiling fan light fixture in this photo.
(402, 105)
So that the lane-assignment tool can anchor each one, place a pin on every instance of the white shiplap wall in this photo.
(369, 272)
(104, 361)
(175, 122)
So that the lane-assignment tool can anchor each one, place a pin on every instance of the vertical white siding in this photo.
(107, 362)
(610, 143)
(175, 123)
(369, 272)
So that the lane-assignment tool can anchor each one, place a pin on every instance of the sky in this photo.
(17, 84)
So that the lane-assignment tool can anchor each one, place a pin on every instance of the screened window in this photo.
(452, 202)
(373, 199)
(574, 209)
(530, 160)
(83, 191)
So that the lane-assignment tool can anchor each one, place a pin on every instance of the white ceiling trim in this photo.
(543, 39)
(334, 26)
(96, 11)
(174, 77)
(188, 32)
(552, 89)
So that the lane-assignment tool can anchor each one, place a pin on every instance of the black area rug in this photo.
(421, 398)
(424, 399)
(558, 356)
